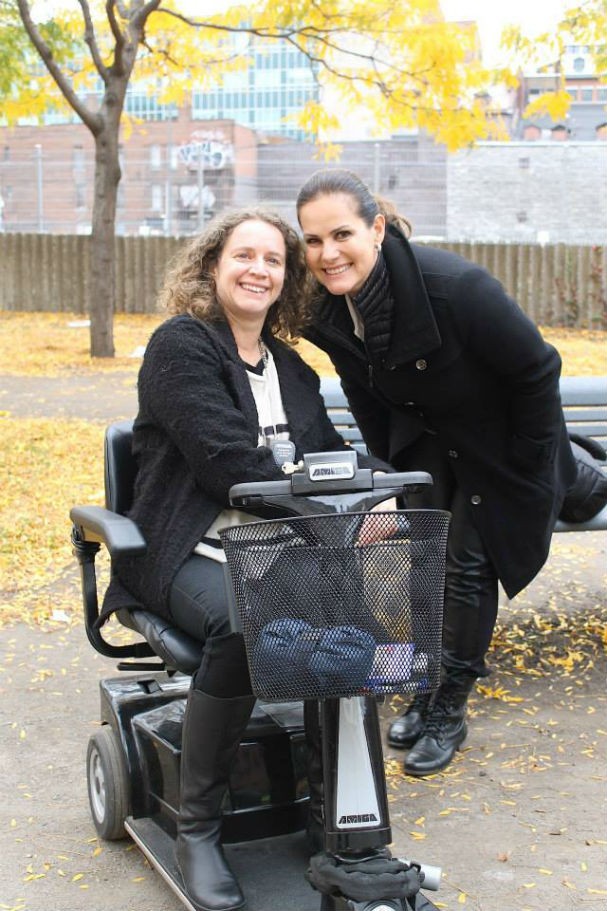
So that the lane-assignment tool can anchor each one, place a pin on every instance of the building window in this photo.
(579, 64)
(155, 157)
(78, 160)
(157, 197)
(144, 106)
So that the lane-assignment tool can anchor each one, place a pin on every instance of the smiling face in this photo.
(341, 248)
(250, 272)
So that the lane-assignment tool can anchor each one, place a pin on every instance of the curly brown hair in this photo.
(189, 286)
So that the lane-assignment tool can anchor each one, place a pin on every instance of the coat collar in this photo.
(414, 329)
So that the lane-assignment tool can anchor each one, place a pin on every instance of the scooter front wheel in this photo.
(107, 784)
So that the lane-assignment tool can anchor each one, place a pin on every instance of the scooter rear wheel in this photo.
(107, 784)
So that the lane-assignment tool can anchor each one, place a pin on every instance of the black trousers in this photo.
(198, 605)
(471, 584)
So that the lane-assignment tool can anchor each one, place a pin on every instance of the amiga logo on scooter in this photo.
(357, 819)
(320, 472)
(325, 466)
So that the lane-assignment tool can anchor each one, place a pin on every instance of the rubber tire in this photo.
(107, 784)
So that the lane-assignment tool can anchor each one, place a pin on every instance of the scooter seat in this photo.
(174, 647)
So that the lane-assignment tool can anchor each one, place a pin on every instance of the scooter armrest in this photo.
(120, 535)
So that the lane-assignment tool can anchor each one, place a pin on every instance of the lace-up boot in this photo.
(445, 729)
(406, 730)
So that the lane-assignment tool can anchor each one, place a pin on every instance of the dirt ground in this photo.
(517, 823)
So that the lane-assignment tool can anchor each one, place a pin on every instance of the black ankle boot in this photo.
(445, 729)
(212, 729)
(407, 729)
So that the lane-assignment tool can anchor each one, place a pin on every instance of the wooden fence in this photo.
(557, 285)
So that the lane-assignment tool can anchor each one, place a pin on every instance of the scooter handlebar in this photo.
(302, 483)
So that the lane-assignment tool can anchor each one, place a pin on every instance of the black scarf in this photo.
(375, 304)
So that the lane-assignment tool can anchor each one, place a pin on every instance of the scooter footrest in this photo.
(370, 878)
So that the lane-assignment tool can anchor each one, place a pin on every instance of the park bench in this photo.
(584, 403)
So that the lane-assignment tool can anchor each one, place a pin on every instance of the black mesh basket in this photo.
(341, 605)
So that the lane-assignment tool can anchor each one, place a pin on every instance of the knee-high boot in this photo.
(315, 823)
(212, 729)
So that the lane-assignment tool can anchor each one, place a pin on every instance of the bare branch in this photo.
(310, 33)
(136, 28)
(114, 24)
(91, 120)
(141, 17)
(91, 40)
(166, 55)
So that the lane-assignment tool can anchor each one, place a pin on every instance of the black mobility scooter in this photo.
(338, 607)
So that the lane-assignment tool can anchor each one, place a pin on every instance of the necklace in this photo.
(263, 351)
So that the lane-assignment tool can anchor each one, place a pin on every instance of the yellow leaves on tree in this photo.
(552, 104)
(584, 25)
(402, 63)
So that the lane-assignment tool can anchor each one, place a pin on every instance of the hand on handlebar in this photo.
(378, 528)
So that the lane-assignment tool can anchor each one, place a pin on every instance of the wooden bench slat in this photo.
(585, 414)
(588, 430)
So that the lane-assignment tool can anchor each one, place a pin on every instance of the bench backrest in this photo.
(584, 404)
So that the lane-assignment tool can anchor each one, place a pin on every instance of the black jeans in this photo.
(198, 605)
(471, 584)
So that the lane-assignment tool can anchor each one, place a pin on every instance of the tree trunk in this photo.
(102, 285)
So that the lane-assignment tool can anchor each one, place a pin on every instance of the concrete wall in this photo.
(528, 192)
(409, 171)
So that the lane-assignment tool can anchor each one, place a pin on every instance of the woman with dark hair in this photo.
(443, 372)
(218, 387)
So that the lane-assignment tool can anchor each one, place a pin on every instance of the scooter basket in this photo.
(345, 604)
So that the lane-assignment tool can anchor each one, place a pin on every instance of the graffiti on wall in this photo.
(208, 148)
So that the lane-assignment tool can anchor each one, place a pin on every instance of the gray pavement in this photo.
(517, 823)
(95, 396)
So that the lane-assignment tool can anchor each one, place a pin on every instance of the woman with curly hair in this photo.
(217, 388)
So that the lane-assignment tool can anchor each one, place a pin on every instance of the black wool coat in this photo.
(195, 436)
(465, 363)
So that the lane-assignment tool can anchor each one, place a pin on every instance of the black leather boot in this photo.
(212, 729)
(407, 729)
(315, 827)
(445, 729)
